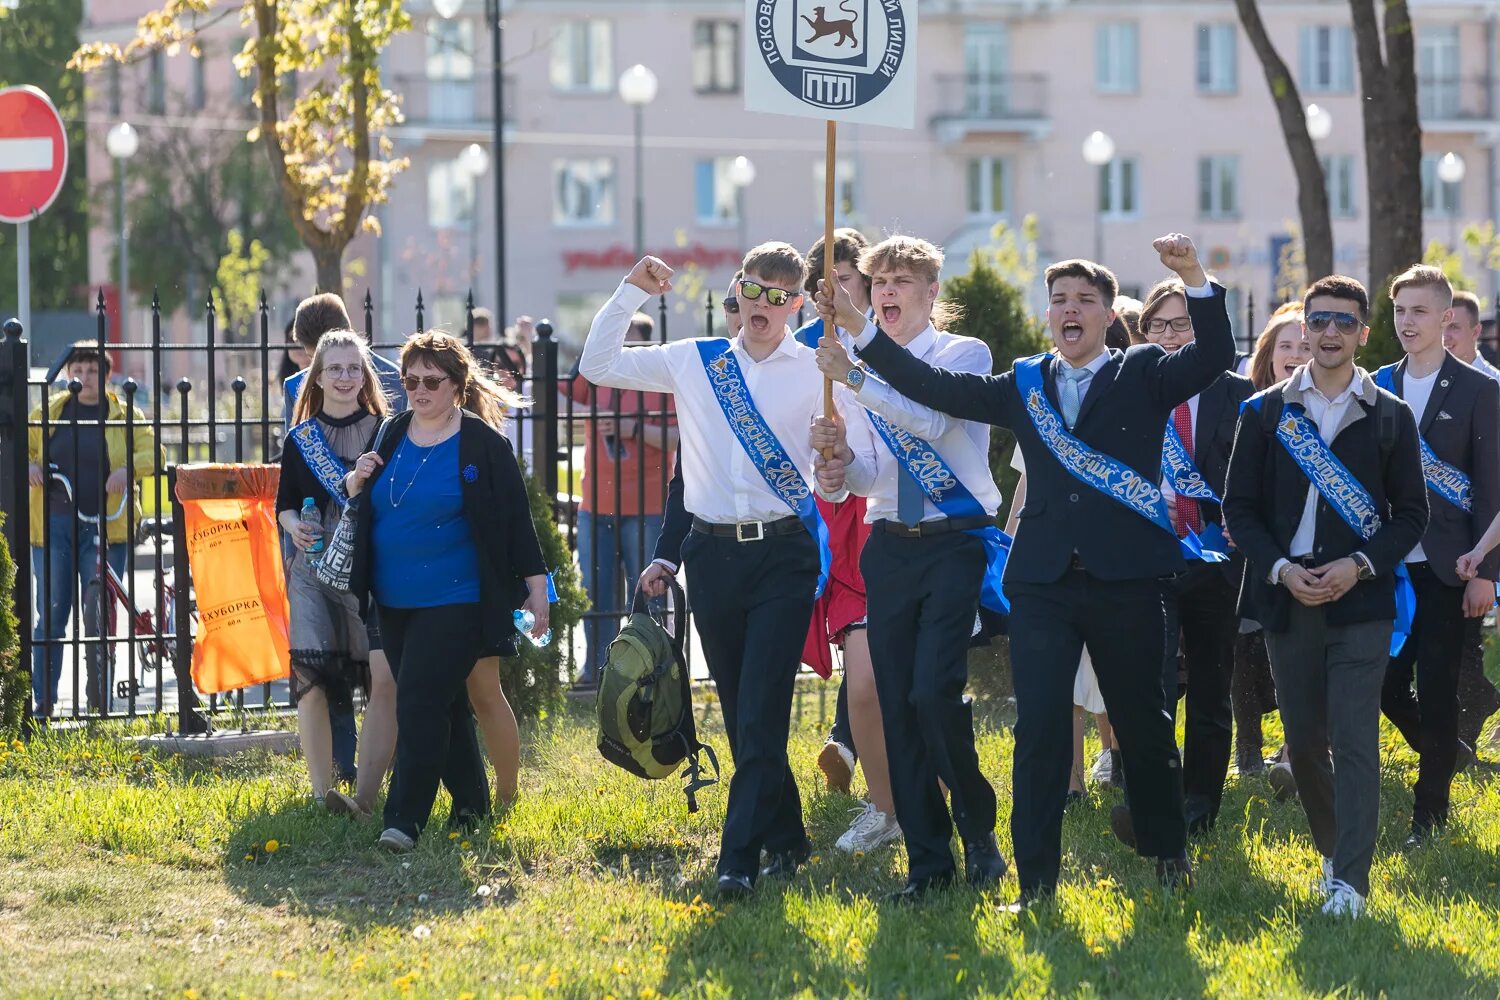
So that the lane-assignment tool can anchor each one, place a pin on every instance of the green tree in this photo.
(35, 41)
(327, 145)
(15, 677)
(992, 308)
(1383, 348)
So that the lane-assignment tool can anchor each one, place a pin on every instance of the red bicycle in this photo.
(106, 596)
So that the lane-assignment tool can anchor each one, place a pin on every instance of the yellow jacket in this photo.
(142, 462)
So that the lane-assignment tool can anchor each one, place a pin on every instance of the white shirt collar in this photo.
(1360, 385)
(789, 345)
(1095, 366)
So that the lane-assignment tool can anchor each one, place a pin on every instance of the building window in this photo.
(1217, 70)
(1438, 80)
(1118, 194)
(1327, 52)
(988, 176)
(198, 95)
(1438, 196)
(156, 83)
(581, 57)
(716, 57)
(243, 87)
(450, 70)
(1219, 187)
(450, 195)
(986, 69)
(715, 198)
(1338, 172)
(1115, 48)
(845, 190)
(583, 192)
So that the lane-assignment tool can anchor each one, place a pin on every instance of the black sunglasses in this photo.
(731, 305)
(753, 290)
(431, 382)
(1346, 323)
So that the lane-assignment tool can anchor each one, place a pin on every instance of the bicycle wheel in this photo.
(98, 656)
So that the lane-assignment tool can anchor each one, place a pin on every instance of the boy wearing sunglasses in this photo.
(756, 555)
(1457, 410)
(1326, 498)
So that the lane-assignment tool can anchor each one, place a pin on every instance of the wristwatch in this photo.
(855, 378)
(1366, 568)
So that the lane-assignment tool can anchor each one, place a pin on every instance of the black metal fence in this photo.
(124, 638)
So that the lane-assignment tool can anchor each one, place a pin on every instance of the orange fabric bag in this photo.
(234, 554)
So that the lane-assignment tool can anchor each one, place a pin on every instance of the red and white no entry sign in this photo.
(33, 153)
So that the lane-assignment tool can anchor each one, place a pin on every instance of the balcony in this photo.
(1457, 104)
(972, 107)
(452, 109)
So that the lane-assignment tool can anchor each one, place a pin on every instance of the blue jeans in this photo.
(610, 546)
(71, 569)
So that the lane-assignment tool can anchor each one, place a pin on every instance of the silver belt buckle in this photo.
(740, 528)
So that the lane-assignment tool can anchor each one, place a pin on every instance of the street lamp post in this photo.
(474, 161)
(1450, 170)
(638, 89)
(1098, 150)
(1319, 123)
(741, 175)
(122, 141)
(448, 9)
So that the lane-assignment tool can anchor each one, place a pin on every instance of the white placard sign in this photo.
(838, 60)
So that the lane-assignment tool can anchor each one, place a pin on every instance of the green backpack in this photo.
(645, 700)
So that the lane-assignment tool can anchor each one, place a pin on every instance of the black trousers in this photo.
(1429, 720)
(432, 652)
(840, 732)
(923, 594)
(1209, 623)
(1477, 697)
(1124, 624)
(753, 602)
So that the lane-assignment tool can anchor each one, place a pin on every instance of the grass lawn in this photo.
(122, 875)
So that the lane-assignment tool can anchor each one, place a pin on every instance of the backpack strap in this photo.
(1385, 414)
(693, 776)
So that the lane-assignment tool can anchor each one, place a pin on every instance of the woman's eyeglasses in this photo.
(1157, 327)
(428, 382)
(1346, 323)
(340, 372)
(775, 296)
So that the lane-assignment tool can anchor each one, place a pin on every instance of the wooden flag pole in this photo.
(830, 182)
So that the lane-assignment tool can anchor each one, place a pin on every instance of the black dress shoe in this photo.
(984, 865)
(786, 862)
(917, 888)
(1200, 826)
(1422, 834)
(1121, 824)
(1074, 797)
(1036, 895)
(1116, 769)
(1466, 758)
(734, 886)
(1175, 873)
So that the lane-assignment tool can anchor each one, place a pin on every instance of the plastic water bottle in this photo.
(309, 516)
(525, 620)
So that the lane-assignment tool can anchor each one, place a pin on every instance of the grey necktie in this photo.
(1068, 394)
(909, 497)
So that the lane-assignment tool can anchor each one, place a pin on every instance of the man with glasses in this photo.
(756, 555)
(1196, 449)
(1326, 498)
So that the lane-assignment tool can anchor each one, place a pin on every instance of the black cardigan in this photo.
(499, 515)
(297, 480)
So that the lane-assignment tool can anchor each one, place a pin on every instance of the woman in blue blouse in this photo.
(446, 549)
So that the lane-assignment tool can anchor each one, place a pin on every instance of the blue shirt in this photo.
(424, 556)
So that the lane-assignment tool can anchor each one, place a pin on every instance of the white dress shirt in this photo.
(1481, 365)
(1328, 415)
(720, 483)
(1416, 392)
(963, 444)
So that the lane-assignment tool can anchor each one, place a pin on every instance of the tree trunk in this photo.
(330, 263)
(1393, 138)
(1312, 190)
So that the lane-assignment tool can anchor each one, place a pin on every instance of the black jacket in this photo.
(499, 515)
(1462, 426)
(1267, 492)
(1124, 416)
(676, 522)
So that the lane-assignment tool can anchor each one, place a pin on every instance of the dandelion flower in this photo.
(463, 845)
(273, 845)
(453, 835)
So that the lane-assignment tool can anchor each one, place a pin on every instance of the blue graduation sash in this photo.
(764, 450)
(1095, 469)
(326, 466)
(1345, 494)
(949, 495)
(1178, 468)
(1447, 481)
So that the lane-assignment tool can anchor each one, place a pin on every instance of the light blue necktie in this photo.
(909, 497)
(1068, 394)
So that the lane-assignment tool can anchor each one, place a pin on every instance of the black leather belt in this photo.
(1306, 562)
(748, 531)
(942, 526)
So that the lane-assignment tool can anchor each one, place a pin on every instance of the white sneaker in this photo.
(396, 842)
(870, 829)
(1343, 900)
(1100, 773)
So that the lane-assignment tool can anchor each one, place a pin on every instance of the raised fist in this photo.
(651, 275)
